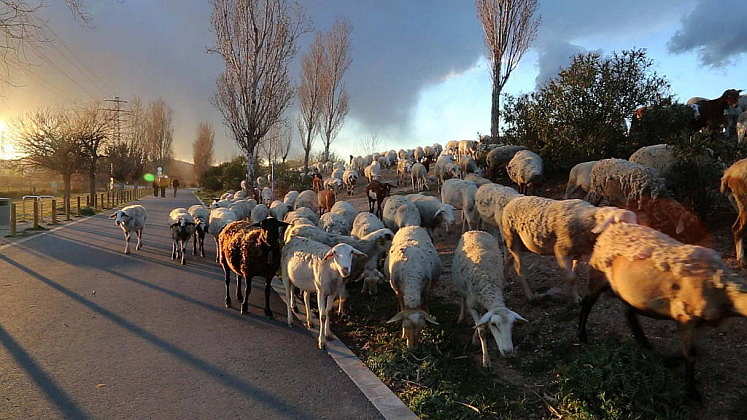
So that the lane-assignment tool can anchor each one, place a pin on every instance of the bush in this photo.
(87, 211)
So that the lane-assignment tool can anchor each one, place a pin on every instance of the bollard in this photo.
(102, 201)
(67, 209)
(88, 201)
(54, 212)
(12, 219)
(78, 206)
(36, 214)
(41, 210)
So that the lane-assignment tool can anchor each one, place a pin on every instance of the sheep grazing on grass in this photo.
(182, 226)
(659, 157)
(346, 209)
(131, 219)
(659, 277)
(302, 213)
(399, 212)
(376, 192)
(419, 177)
(468, 165)
(314, 267)
(306, 198)
(436, 217)
(566, 229)
(413, 265)
(219, 219)
(526, 170)
(201, 216)
(490, 200)
(734, 185)
(477, 273)
(365, 223)
(623, 183)
(446, 168)
(498, 158)
(579, 180)
(461, 195)
(326, 200)
(250, 250)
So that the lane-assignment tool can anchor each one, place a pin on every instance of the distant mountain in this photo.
(184, 171)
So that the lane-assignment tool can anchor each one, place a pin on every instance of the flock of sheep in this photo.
(318, 244)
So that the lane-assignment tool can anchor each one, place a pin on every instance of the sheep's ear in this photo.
(430, 318)
(680, 225)
(485, 319)
(395, 318)
(516, 316)
(330, 254)
(113, 215)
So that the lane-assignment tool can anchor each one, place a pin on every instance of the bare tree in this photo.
(334, 96)
(285, 141)
(203, 149)
(257, 41)
(159, 134)
(310, 96)
(92, 126)
(46, 141)
(370, 144)
(510, 27)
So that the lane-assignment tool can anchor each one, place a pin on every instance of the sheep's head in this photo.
(500, 323)
(371, 280)
(606, 216)
(341, 257)
(272, 227)
(120, 217)
(413, 320)
(444, 219)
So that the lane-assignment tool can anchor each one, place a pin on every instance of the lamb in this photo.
(249, 250)
(399, 212)
(313, 266)
(290, 199)
(525, 169)
(579, 179)
(376, 192)
(350, 178)
(413, 265)
(499, 157)
(364, 224)
(302, 213)
(131, 219)
(419, 177)
(306, 198)
(566, 229)
(436, 217)
(404, 167)
(734, 185)
(326, 200)
(659, 277)
(490, 201)
(219, 219)
(201, 216)
(477, 273)
(461, 195)
(266, 196)
(659, 157)
(259, 213)
(182, 226)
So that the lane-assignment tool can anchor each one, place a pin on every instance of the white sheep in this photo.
(399, 212)
(624, 183)
(259, 213)
(334, 223)
(266, 196)
(278, 209)
(499, 157)
(436, 217)
(404, 167)
(579, 179)
(372, 171)
(365, 223)
(525, 169)
(418, 154)
(446, 168)
(461, 195)
(477, 180)
(419, 177)
(219, 218)
(302, 213)
(350, 178)
(566, 229)
(413, 265)
(659, 157)
(742, 127)
(490, 199)
(306, 198)
(314, 267)
(242, 208)
(347, 213)
(182, 226)
(477, 273)
(131, 219)
(290, 199)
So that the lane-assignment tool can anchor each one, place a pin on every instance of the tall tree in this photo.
(257, 41)
(92, 126)
(159, 133)
(310, 96)
(203, 149)
(510, 27)
(45, 139)
(334, 96)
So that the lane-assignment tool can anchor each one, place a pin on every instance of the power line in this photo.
(118, 110)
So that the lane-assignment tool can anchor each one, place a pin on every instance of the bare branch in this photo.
(334, 97)
(203, 148)
(310, 95)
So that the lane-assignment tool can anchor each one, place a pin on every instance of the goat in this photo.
(376, 192)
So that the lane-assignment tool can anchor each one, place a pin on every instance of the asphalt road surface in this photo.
(86, 331)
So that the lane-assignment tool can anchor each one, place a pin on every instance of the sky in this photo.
(419, 74)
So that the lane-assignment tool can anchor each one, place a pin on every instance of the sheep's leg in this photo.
(227, 273)
(239, 296)
(330, 303)
(217, 249)
(127, 242)
(289, 300)
(687, 335)
(597, 285)
(568, 265)
(139, 234)
(194, 244)
(173, 250)
(245, 303)
(183, 250)
(343, 300)
(322, 302)
(307, 306)
(635, 327)
(739, 228)
(516, 256)
(268, 287)
(202, 246)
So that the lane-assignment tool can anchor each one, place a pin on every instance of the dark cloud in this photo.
(552, 57)
(716, 30)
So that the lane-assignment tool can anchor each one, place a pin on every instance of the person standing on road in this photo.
(155, 188)
(175, 184)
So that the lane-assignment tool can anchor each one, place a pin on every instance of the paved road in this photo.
(86, 331)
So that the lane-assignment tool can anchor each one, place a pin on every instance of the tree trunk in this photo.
(326, 149)
(92, 184)
(495, 108)
(306, 152)
(250, 169)
(66, 180)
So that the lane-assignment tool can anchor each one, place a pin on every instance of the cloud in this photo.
(716, 30)
(554, 56)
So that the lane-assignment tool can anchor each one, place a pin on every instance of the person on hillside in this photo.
(175, 184)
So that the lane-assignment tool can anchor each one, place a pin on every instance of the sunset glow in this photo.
(7, 146)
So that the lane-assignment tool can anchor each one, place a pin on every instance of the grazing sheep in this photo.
(404, 167)
(579, 179)
(219, 218)
(659, 157)
(461, 195)
(566, 229)
(499, 157)
(326, 200)
(350, 178)
(419, 177)
(201, 215)
(302, 213)
(306, 198)
(399, 212)
(182, 226)
(436, 217)
(413, 265)
(250, 250)
(364, 224)
(314, 267)
(525, 169)
(376, 192)
(131, 219)
(468, 165)
(259, 213)
(623, 183)
(658, 277)
(490, 200)
(278, 209)
(446, 169)
(477, 273)
(290, 199)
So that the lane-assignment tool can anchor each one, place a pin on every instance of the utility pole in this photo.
(117, 109)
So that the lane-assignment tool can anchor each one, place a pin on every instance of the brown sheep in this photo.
(326, 199)
(250, 250)
(734, 184)
(376, 192)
